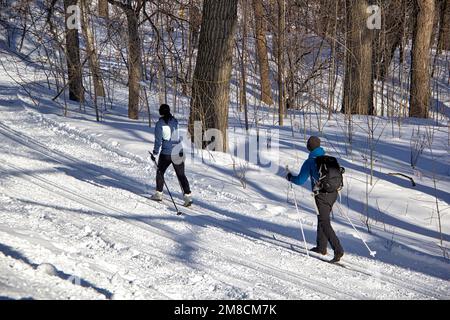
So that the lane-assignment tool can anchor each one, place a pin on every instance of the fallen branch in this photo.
(403, 175)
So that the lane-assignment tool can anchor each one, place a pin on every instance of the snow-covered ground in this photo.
(74, 223)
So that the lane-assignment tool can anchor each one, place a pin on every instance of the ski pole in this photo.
(288, 189)
(372, 253)
(301, 224)
(314, 204)
(298, 212)
(165, 184)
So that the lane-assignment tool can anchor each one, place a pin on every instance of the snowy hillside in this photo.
(74, 223)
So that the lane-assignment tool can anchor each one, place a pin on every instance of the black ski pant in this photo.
(325, 232)
(164, 162)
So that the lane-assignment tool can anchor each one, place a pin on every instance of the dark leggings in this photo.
(164, 162)
(325, 232)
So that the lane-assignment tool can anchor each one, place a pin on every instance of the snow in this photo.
(74, 223)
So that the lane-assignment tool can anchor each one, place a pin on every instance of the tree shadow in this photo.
(184, 252)
(13, 253)
(5, 298)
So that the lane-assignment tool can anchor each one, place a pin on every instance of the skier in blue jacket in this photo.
(164, 144)
(324, 201)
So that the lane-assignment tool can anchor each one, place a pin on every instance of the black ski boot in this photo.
(317, 250)
(337, 257)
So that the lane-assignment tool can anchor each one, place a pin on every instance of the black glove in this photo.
(152, 157)
(289, 176)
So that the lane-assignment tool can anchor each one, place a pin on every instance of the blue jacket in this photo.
(163, 136)
(309, 168)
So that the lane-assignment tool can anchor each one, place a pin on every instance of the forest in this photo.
(357, 57)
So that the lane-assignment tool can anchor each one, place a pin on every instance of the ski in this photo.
(339, 264)
(148, 197)
(316, 256)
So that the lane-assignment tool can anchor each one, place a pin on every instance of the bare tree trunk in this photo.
(420, 59)
(76, 91)
(280, 60)
(333, 71)
(211, 83)
(358, 83)
(444, 26)
(194, 28)
(243, 96)
(134, 54)
(134, 64)
(261, 50)
(389, 37)
(99, 90)
(103, 8)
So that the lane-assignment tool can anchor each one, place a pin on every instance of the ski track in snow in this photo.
(258, 266)
(267, 270)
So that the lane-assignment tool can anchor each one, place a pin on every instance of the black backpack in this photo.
(330, 175)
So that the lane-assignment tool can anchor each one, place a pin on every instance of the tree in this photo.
(280, 60)
(261, 52)
(389, 38)
(358, 83)
(211, 83)
(76, 91)
(419, 100)
(132, 10)
(195, 17)
(243, 95)
(103, 8)
(444, 26)
(94, 65)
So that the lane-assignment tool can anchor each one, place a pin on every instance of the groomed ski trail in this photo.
(58, 156)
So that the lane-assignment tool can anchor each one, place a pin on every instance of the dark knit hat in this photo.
(313, 143)
(164, 110)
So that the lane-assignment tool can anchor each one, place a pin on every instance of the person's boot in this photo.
(187, 199)
(337, 257)
(319, 251)
(157, 196)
